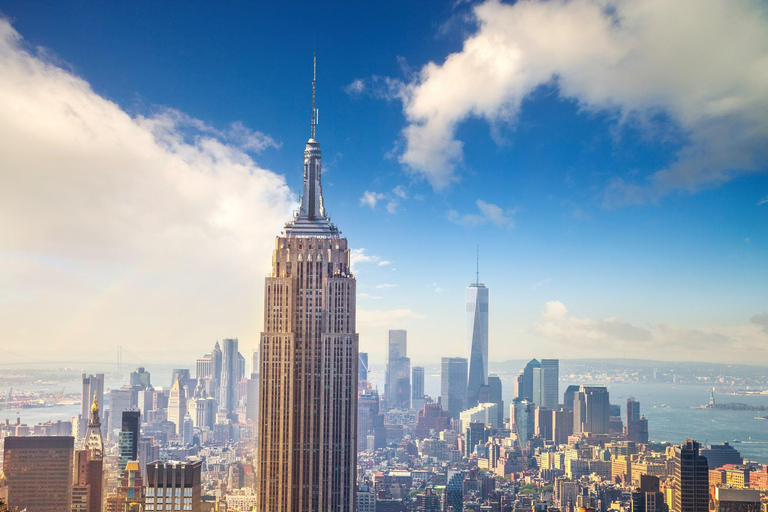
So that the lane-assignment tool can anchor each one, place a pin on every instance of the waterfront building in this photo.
(453, 385)
(691, 478)
(637, 425)
(721, 454)
(140, 378)
(307, 443)
(476, 339)
(398, 385)
(38, 471)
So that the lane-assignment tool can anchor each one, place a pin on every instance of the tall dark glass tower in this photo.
(307, 447)
(691, 479)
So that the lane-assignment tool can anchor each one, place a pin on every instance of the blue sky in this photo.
(607, 157)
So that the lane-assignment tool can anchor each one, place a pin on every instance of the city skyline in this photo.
(168, 193)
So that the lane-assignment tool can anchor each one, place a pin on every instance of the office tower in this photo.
(216, 362)
(186, 430)
(229, 375)
(179, 480)
(487, 414)
(185, 379)
(203, 367)
(562, 426)
(417, 387)
(522, 413)
(570, 396)
(719, 455)
(120, 400)
(202, 410)
(495, 396)
(453, 385)
(129, 439)
(92, 384)
(476, 338)
(86, 494)
(647, 497)
(398, 385)
(543, 424)
(525, 390)
(367, 411)
(362, 367)
(454, 491)
(307, 446)
(366, 499)
(591, 410)
(140, 378)
(431, 419)
(737, 500)
(177, 406)
(474, 434)
(252, 399)
(130, 495)
(637, 425)
(691, 477)
(545, 382)
(39, 472)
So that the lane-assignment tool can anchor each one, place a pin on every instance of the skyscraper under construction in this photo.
(307, 444)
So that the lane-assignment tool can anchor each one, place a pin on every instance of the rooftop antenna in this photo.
(477, 271)
(314, 83)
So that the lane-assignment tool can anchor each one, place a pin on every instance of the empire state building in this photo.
(307, 446)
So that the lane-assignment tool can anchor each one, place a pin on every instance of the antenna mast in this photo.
(477, 271)
(314, 82)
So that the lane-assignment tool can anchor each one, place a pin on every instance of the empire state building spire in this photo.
(311, 218)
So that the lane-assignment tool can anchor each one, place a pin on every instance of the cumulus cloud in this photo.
(564, 332)
(698, 63)
(110, 218)
(358, 256)
(489, 212)
(370, 199)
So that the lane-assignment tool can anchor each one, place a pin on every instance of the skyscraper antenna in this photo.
(477, 271)
(314, 83)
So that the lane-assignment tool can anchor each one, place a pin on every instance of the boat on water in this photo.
(761, 417)
(736, 441)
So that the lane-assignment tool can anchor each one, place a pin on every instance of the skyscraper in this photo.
(453, 385)
(39, 472)
(398, 371)
(129, 439)
(591, 412)
(691, 479)
(86, 495)
(140, 378)
(92, 384)
(229, 375)
(525, 389)
(307, 446)
(177, 481)
(476, 338)
(362, 367)
(637, 425)
(417, 383)
(545, 379)
(177, 406)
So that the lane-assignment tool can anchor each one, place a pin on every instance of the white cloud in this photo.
(356, 87)
(489, 212)
(541, 283)
(385, 285)
(370, 199)
(400, 192)
(763, 201)
(111, 219)
(697, 63)
(392, 206)
(563, 332)
(367, 296)
(358, 256)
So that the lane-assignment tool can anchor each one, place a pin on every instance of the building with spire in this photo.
(307, 444)
(476, 336)
(87, 483)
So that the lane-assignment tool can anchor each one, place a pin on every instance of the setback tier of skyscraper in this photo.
(307, 446)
